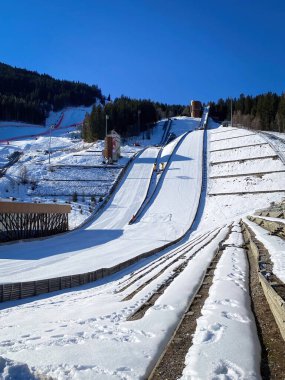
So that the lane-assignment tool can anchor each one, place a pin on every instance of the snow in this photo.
(10, 369)
(225, 343)
(83, 333)
(231, 207)
(10, 130)
(55, 183)
(66, 118)
(275, 246)
(234, 142)
(247, 167)
(241, 154)
(166, 219)
(183, 124)
(278, 220)
(261, 182)
(71, 115)
(73, 333)
(228, 132)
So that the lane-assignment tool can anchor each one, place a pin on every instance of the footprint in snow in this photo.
(124, 369)
(226, 370)
(228, 302)
(163, 307)
(240, 286)
(235, 317)
(211, 334)
(34, 338)
(7, 343)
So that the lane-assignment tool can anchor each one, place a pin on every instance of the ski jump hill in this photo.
(108, 242)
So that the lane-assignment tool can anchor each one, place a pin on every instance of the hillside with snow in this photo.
(177, 228)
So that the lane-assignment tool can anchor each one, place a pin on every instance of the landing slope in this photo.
(108, 240)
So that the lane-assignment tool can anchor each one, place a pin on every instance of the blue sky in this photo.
(165, 50)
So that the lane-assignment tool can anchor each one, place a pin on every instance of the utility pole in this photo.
(139, 120)
(231, 112)
(107, 117)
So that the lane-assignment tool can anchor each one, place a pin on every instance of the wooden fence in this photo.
(29, 220)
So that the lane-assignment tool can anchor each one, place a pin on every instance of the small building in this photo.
(196, 108)
(112, 149)
(30, 220)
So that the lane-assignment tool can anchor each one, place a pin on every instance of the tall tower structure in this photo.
(196, 108)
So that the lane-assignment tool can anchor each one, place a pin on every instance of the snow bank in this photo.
(11, 370)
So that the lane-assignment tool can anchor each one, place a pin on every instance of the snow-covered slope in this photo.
(84, 333)
(109, 239)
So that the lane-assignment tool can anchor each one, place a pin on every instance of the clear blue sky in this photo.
(166, 50)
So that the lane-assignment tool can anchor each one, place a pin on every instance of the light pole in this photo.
(107, 117)
(49, 148)
(139, 120)
(231, 112)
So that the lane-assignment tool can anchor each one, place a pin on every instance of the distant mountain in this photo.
(28, 96)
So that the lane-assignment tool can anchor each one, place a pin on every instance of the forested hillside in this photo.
(266, 111)
(28, 96)
(127, 116)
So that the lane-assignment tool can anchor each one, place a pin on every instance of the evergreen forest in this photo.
(264, 112)
(28, 96)
(126, 116)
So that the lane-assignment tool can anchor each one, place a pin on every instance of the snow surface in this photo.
(234, 142)
(241, 154)
(261, 182)
(55, 182)
(247, 167)
(84, 333)
(109, 239)
(225, 343)
(16, 129)
(230, 207)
